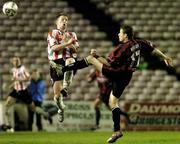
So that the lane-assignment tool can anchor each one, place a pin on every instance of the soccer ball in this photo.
(10, 8)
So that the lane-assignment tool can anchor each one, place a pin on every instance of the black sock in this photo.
(75, 66)
(116, 118)
(98, 116)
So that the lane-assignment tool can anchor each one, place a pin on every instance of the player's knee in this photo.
(70, 61)
(56, 96)
(8, 103)
(113, 103)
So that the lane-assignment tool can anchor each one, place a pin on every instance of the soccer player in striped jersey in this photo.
(62, 50)
(20, 77)
(119, 67)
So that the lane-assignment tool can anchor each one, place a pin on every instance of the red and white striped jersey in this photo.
(55, 37)
(19, 74)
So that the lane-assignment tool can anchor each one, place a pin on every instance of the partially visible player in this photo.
(104, 91)
(36, 88)
(20, 77)
(119, 67)
(62, 50)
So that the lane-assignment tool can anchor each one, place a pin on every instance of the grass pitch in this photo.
(161, 137)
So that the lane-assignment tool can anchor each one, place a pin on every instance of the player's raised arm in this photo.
(168, 61)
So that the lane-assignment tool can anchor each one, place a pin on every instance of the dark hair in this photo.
(62, 14)
(34, 70)
(37, 71)
(128, 30)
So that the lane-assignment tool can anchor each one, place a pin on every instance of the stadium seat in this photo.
(172, 98)
(144, 98)
(154, 20)
(158, 98)
(130, 98)
(11, 35)
(23, 35)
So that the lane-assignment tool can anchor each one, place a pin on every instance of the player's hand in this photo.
(93, 52)
(68, 39)
(168, 61)
(71, 41)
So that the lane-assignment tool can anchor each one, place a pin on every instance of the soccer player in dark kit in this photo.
(119, 68)
(105, 86)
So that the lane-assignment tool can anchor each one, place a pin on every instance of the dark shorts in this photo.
(22, 95)
(119, 84)
(53, 73)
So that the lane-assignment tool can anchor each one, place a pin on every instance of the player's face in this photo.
(122, 36)
(62, 23)
(35, 75)
(16, 61)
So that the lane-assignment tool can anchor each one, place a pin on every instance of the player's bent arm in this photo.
(25, 78)
(158, 53)
(75, 47)
(21, 79)
(167, 59)
(58, 47)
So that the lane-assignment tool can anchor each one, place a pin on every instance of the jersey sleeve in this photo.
(74, 36)
(51, 39)
(147, 46)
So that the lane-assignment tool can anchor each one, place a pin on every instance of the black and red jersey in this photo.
(126, 56)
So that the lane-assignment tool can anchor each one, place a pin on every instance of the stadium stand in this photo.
(155, 22)
(25, 36)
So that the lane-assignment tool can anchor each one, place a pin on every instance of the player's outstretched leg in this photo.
(79, 64)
